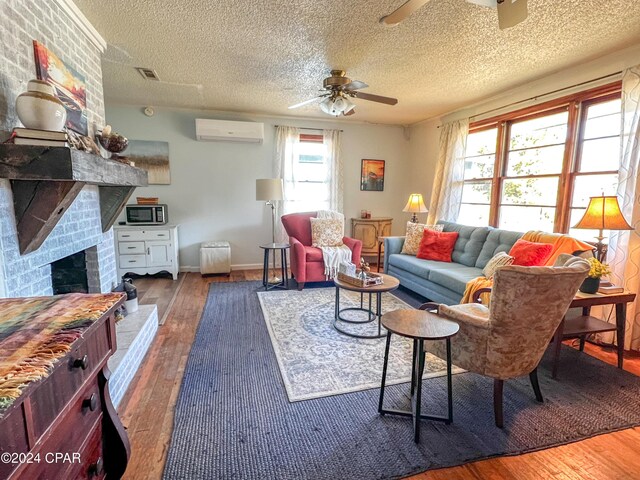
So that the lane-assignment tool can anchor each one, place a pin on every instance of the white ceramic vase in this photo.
(38, 108)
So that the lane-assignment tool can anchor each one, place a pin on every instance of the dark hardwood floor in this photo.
(148, 407)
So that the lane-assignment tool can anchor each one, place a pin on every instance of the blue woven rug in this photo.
(233, 419)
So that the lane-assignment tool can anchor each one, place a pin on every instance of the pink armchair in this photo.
(306, 261)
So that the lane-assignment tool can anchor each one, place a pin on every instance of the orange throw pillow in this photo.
(437, 245)
(530, 254)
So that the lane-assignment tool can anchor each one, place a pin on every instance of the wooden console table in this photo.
(56, 416)
(580, 327)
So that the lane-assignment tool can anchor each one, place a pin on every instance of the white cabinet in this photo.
(147, 249)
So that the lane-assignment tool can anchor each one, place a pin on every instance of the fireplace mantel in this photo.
(46, 180)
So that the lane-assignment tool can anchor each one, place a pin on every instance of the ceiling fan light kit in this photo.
(340, 89)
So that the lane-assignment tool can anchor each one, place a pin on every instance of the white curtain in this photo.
(447, 185)
(335, 182)
(285, 158)
(624, 246)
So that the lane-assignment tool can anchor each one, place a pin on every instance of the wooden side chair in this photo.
(507, 339)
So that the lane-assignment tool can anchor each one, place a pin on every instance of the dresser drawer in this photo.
(135, 235)
(77, 457)
(132, 261)
(50, 398)
(129, 248)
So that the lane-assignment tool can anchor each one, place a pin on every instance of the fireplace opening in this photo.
(69, 274)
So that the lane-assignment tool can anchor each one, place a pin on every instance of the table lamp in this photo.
(269, 190)
(415, 205)
(603, 213)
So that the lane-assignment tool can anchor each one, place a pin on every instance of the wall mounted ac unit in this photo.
(223, 130)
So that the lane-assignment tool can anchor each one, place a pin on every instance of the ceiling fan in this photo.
(510, 12)
(339, 88)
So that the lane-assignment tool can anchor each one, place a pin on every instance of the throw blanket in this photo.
(333, 256)
(36, 332)
(561, 244)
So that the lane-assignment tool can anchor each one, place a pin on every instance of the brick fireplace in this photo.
(63, 29)
(77, 240)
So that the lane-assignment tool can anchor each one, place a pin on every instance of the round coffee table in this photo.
(418, 325)
(389, 283)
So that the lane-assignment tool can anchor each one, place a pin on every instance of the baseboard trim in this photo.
(239, 266)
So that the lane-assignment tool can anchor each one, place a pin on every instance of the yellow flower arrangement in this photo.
(598, 269)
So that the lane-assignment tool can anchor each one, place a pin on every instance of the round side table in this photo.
(418, 325)
(282, 282)
(389, 283)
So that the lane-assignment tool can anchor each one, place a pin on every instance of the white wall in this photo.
(424, 135)
(212, 191)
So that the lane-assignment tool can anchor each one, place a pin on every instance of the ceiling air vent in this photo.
(148, 73)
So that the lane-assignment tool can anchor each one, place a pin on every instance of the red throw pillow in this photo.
(530, 254)
(437, 245)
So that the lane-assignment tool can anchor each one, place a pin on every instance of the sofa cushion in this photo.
(469, 244)
(313, 254)
(497, 241)
(437, 245)
(456, 278)
(420, 267)
(530, 254)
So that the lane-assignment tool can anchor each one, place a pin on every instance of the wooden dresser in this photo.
(60, 424)
(369, 230)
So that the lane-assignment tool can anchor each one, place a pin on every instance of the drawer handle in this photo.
(126, 236)
(97, 468)
(82, 363)
(162, 235)
(133, 261)
(91, 403)
(131, 248)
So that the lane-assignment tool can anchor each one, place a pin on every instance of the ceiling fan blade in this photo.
(402, 12)
(350, 112)
(376, 98)
(306, 102)
(485, 3)
(354, 85)
(511, 13)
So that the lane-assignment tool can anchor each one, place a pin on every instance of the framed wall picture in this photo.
(372, 175)
(69, 85)
(152, 157)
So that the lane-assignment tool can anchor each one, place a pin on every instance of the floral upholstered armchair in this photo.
(507, 339)
(307, 264)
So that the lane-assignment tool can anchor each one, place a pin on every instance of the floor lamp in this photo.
(270, 190)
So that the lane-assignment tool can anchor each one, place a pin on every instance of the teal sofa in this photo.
(445, 282)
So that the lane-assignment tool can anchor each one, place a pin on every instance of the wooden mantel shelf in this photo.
(46, 180)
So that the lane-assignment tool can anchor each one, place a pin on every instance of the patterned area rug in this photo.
(316, 360)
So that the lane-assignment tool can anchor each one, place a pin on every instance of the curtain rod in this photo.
(305, 128)
(513, 104)
(546, 94)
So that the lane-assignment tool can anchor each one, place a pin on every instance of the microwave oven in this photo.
(146, 214)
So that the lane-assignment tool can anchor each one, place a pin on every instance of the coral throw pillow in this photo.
(530, 254)
(437, 245)
(413, 236)
(326, 232)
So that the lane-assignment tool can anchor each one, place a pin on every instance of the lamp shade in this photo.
(603, 213)
(415, 204)
(269, 189)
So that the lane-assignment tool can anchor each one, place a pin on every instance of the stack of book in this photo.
(30, 136)
(610, 289)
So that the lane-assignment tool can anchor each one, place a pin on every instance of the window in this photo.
(479, 163)
(535, 169)
(310, 174)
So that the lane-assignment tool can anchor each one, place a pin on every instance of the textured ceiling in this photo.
(261, 56)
